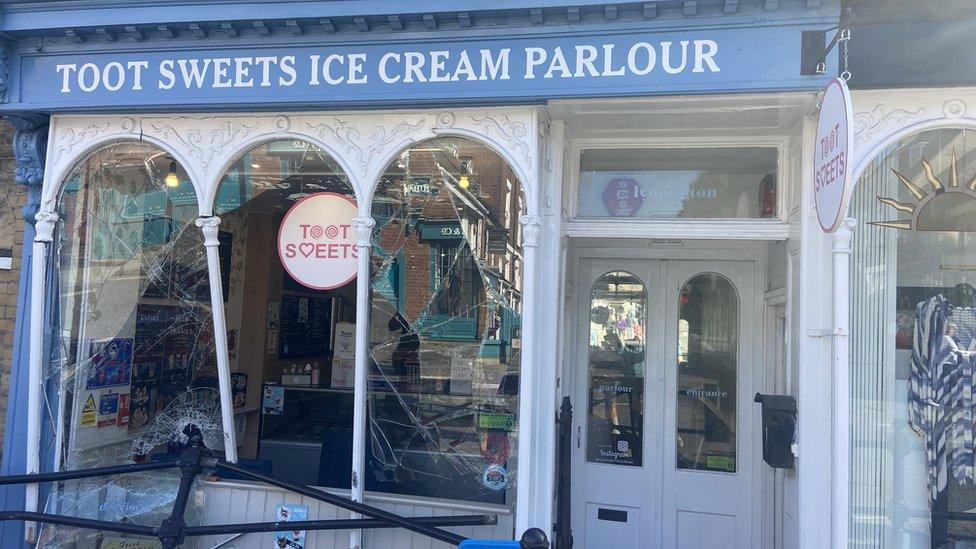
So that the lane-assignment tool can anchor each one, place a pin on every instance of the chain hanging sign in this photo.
(832, 154)
(317, 242)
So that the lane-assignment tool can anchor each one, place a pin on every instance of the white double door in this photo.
(664, 421)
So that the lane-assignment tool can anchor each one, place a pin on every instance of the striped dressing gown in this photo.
(940, 391)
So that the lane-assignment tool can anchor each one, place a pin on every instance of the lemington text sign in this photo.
(631, 62)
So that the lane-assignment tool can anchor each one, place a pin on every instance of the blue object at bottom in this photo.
(489, 544)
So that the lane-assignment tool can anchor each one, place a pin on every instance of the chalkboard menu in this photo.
(305, 326)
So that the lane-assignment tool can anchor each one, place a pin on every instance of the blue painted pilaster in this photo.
(30, 145)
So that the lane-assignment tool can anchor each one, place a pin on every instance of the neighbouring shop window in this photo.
(708, 348)
(913, 345)
(618, 337)
(132, 355)
(445, 324)
(291, 332)
(649, 183)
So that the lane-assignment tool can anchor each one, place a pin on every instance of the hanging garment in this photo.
(940, 391)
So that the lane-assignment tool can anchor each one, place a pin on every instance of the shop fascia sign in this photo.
(626, 62)
(832, 155)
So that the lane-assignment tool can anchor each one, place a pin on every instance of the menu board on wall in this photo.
(305, 326)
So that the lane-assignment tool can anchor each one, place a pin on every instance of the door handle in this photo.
(579, 434)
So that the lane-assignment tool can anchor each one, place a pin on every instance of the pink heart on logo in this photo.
(306, 248)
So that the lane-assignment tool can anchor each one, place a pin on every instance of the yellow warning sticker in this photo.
(88, 413)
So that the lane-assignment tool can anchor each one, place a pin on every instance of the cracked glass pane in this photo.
(132, 355)
(290, 338)
(445, 323)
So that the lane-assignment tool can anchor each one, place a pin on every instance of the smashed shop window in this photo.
(292, 308)
(445, 321)
(133, 356)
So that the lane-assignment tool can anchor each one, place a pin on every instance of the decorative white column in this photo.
(841, 378)
(44, 235)
(529, 500)
(210, 226)
(364, 226)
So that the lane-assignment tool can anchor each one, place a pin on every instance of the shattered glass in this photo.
(445, 324)
(284, 332)
(132, 355)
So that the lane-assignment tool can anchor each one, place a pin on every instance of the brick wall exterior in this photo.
(12, 197)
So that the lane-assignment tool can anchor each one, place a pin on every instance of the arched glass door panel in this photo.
(708, 348)
(616, 369)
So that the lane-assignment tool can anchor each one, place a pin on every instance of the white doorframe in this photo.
(678, 250)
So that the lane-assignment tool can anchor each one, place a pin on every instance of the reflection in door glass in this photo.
(615, 419)
(707, 349)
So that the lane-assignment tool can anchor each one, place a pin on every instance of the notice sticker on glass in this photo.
(288, 512)
(108, 409)
(343, 373)
(720, 463)
(345, 341)
(462, 372)
(123, 416)
(88, 413)
(496, 420)
(273, 402)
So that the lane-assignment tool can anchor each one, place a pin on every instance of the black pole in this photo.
(564, 527)
(362, 509)
(78, 522)
(173, 529)
(337, 524)
(87, 473)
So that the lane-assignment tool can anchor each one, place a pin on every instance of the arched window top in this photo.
(147, 175)
(273, 175)
(925, 182)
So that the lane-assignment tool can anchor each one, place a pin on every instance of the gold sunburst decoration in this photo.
(935, 205)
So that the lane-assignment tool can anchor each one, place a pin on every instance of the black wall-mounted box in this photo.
(778, 429)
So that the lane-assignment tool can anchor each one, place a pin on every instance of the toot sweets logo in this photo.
(317, 242)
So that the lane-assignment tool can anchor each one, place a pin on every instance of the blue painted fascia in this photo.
(16, 103)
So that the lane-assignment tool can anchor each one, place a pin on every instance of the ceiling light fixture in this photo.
(172, 180)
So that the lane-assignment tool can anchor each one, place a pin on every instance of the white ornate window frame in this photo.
(363, 144)
(881, 119)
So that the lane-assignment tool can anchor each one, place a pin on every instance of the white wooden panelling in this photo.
(239, 502)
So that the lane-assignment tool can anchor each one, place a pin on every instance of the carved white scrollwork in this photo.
(511, 133)
(844, 235)
(364, 227)
(364, 148)
(44, 225)
(531, 227)
(210, 227)
(361, 143)
(954, 108)
(867, 124)
(192, 140)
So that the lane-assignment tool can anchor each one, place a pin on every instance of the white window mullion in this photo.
(210, 226)
(44, 235)
(364, 226)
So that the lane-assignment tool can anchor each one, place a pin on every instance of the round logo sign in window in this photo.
(495, 477)
(317, 242)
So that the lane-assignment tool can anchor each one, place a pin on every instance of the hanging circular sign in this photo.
(317, 242)
(832, 155)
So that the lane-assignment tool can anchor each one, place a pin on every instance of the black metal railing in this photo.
(193, 460)
(564, 457)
